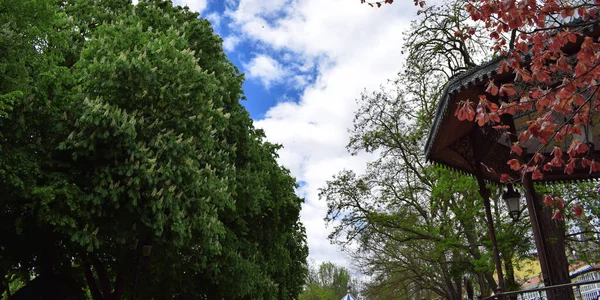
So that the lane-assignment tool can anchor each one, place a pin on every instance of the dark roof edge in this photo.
(456, 84)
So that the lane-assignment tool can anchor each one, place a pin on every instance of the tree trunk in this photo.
(511, 283)
(484, 287)
(474, 251)
(105, 291)
(458, 289)
(102, 276)
(119, 286)
(469, 288)
(91, 281)
(556, 254)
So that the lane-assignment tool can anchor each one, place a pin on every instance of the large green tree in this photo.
(34, 93)
(123, 132)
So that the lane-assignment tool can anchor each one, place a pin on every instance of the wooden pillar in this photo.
(549, 240)
(550, 243)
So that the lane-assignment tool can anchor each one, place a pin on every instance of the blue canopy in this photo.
(348, 297)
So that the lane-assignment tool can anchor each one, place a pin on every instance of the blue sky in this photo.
(261, 93)
(305, 62)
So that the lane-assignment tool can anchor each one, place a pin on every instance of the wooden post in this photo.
(549, 241)
(550, 244)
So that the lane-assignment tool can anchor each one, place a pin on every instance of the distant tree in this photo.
(328, 281)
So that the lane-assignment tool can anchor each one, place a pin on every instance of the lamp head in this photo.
(513, 201)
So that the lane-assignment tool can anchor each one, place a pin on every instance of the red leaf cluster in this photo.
(556, 66)
(558, 205)
(560, 88)
(379, 3)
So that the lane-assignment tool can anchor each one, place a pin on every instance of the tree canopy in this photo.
(128, 165)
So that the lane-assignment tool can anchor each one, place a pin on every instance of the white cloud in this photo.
(230, 42)
(195, 5)
(266, 70)
(215, 20)
(299, 81)
(352, 47)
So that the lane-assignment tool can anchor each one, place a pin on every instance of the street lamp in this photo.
(512, 199)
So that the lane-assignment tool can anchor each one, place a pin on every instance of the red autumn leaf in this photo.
(570, 166)
(548, 200)
(548, 167)
(491, 106)
(514, 164)
(522, 46)
(560, 203)
(492, 89)
(503, 66)
(501, 127)
(575, 129)
(557, 152)
(563, 64)
(516, 149)
(523, 74)
(465, 111)
(494, 117)
(537, 175)
(583, 148)
(542, 76)
(586, 163)
(557, 215)
(505, 178)
(538, 157)
(507, 90)
(556, 162)
(523, 136)
(572, 151)
(578, 99)
(508, 108)
(577, 209)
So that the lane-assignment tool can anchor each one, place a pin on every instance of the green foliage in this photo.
(122, 128)
(417, 229)
(328, 281)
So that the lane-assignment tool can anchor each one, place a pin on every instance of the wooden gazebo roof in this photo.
(450, 141)
(460, 144)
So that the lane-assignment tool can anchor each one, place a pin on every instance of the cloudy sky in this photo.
(306, 61)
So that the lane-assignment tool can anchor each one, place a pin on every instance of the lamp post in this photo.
(513, 202)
